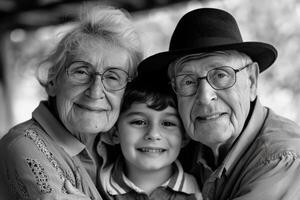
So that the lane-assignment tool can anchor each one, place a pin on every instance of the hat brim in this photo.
(262, 53)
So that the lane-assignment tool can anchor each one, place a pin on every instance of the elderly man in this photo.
(242, 149)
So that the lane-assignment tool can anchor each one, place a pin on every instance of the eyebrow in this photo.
(143, 113)
(80, 61)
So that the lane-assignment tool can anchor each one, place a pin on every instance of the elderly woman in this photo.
(89, 70)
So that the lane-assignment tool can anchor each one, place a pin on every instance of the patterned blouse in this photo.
(38, 155)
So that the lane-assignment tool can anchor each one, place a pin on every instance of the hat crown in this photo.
(204, 28)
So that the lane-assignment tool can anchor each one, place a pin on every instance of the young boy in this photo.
(150, 135)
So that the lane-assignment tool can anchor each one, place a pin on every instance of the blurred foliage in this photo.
(276, 22)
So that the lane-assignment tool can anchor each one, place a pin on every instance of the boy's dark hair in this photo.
(158, 95)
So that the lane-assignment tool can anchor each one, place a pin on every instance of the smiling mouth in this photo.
(85, 107)
(151, 150)
(210, 117)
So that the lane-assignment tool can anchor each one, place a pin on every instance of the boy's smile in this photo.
(149, 139)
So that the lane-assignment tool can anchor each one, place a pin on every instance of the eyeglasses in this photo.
(219, 78)
(113, 79)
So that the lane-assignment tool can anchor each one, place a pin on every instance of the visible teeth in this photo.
(150, 150)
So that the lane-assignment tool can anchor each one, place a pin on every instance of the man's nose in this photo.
(205, 92)
(96, 89)
(153, 133)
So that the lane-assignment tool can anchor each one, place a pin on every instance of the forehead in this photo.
(101, 54)
(205, 62)
(144, 109)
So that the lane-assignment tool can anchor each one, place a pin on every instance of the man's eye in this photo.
(221, 75)
(187, 81)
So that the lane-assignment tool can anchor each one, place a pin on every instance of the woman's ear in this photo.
(51, 89)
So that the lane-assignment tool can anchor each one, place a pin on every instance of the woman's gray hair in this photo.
(106, 24)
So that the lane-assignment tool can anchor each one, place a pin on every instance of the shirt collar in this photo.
(119, 184)
(241, 145)
(56, 130)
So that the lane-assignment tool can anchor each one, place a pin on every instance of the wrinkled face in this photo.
(216, 117)
(149, 139)
(88, 108)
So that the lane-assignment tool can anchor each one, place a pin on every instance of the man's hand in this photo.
(73, 194)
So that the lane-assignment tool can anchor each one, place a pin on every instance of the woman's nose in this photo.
(96, 89)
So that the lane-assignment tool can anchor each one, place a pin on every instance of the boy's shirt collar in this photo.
(119, 184)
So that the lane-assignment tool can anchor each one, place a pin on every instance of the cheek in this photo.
(114, 101)
(65, 99)
(184, 108)
(128, 142)
(177, 142)
(240, 104)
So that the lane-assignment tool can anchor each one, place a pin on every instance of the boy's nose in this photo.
(153, 133)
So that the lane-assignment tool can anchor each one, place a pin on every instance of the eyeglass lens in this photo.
(219, 78)
(112, 78)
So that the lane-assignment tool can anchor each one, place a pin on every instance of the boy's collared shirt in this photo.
(179, 186)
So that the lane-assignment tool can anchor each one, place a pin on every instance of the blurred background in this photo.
(30, 28)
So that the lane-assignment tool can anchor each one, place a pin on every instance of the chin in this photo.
(88, 128)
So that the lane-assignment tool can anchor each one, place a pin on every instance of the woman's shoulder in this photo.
(20, 137)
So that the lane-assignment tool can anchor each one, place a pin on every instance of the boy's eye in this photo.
(168, 123)
(138, 122)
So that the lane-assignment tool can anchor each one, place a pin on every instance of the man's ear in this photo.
(51, 89)
(253, 77)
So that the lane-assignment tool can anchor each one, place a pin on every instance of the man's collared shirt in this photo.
(37, 156)
(264, 162)
(179, 186)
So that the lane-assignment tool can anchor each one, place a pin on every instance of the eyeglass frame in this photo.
(173, 82)
(94, 74)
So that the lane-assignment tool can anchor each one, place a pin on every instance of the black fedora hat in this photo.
(206, 30)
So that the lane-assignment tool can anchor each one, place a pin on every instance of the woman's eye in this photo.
(80, 71)
(111, 77)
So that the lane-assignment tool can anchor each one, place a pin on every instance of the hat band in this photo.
(204, 42)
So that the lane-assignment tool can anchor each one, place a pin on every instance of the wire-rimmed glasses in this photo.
(113, 78)
(219, 78)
